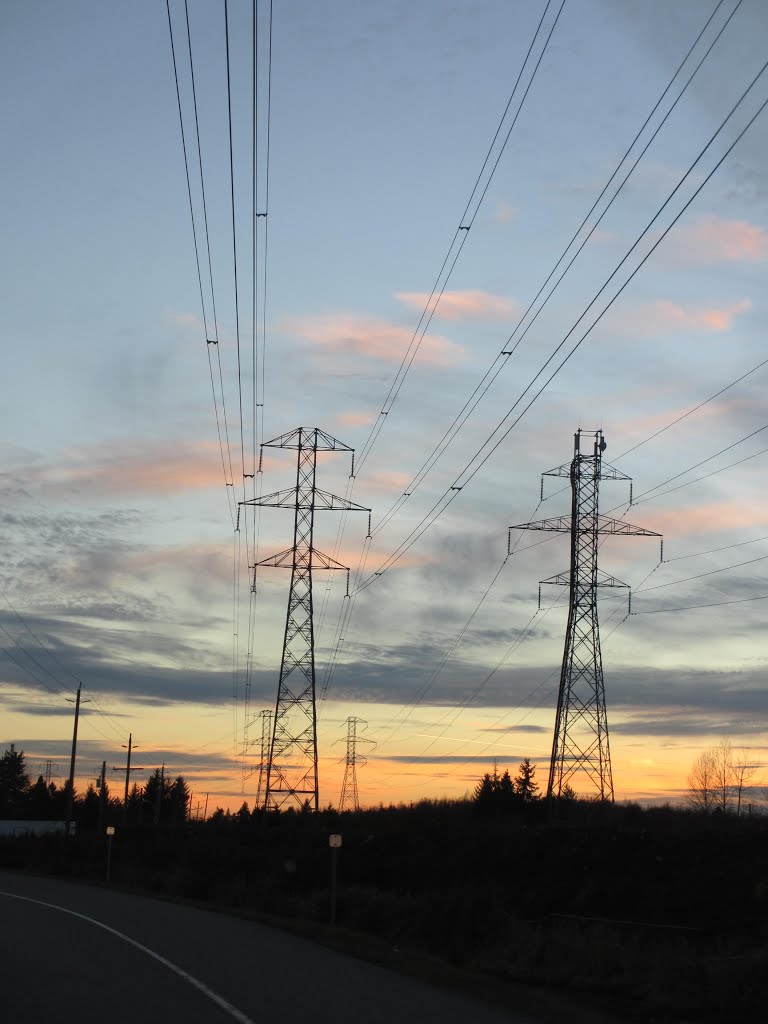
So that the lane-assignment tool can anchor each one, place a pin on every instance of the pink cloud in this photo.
(711, 240)
(186, 320)
(463, 305)
(140, 469)
(504, 213)
(388, 481)
(664, 317)
(378, 339)
(644, 425)
(703, 518)
(355, 419)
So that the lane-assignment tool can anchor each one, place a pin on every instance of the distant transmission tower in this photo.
(291, 773)
(264, 741)
(349, 799)
(266, 733)
(580, 744)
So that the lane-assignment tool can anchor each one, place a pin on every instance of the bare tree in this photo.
(702, 782)
(722, 759)
(744, 769)
(718, 778)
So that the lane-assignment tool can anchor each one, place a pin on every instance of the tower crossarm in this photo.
(604, 525)
(605, 472)
(298, 438)
(285, 560)
(323, 501)
(563, 579)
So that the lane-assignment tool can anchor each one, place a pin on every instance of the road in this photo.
(80, 953)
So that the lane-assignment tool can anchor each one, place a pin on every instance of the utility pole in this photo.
(291, 774)
(101, 785)
(581, 745)
(127, 771)
(71, 789)
(349, 796)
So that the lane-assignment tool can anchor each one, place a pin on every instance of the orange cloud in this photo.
(462, 305)
(378, 339)
(644, 425)
(711, 240)
(388, 481)
(355, 419)
(186, 320)
(663, 317)
(704, 518)
(141, 469)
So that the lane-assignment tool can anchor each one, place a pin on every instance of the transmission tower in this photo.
(266, 733)
(581, 744)
(349, 797)
(291, 771)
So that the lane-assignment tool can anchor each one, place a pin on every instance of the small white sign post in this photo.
(110, 834)
(334, 841)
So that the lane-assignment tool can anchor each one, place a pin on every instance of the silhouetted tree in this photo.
(526, 786)
(178, 800)
(14, 782)
(41, 800)
(87, 812)
(708, 780)
(135, 805)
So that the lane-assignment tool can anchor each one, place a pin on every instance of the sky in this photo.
(124, 450)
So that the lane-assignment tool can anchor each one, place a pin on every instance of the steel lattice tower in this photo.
(581, 745)
(349, 799)
(266, 733)
(291, 773)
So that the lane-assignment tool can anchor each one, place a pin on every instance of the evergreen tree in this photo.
(87, 811)
(14, 782)
(525, 784)
(40, 801)
(178, 800)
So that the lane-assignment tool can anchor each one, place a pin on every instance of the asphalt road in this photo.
(85, 954)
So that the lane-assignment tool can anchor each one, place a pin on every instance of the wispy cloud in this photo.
(388, 481)
(711, 240)
(133, 468)
(373, 337)
(189, 320)
(355, 419)
(704, 518)
(463, 305)
(503, 212)
(663, 317)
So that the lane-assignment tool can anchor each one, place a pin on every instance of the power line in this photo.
(479, 459)
(669, 480)
(712, 551)
(693, 607)
(506, 352)
(438, 289)
(215, 340)
(700, 575)
(461, 234)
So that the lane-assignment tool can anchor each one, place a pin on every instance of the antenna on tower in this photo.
(581, 746)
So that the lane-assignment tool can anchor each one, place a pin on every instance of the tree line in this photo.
(159, 801)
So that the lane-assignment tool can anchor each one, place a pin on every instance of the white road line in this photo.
(233, 1011)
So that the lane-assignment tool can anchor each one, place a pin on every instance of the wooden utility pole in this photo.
(71, 790)
(102, 795)
(127, 771)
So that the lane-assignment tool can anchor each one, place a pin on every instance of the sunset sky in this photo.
(117, 518)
